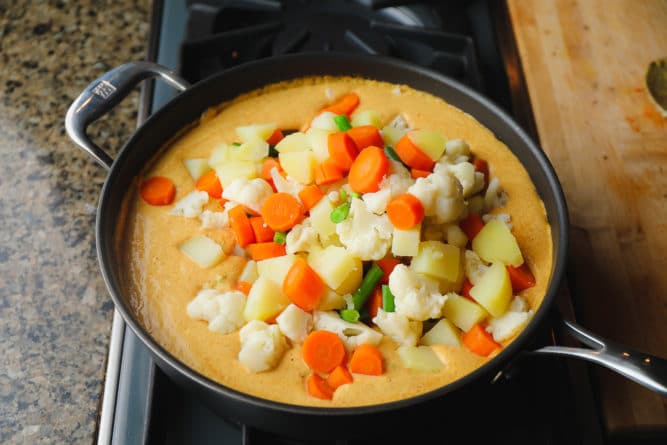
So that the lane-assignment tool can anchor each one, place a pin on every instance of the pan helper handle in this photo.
(105, 93)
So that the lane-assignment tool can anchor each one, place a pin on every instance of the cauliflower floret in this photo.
(465, 173)
(364, 234)
(190, 205)
(223, 311)
(284, 185)
(440, 194)
(494, 196)
(416, 296)
(377, 202)
(474, 266)
(502, 217)
(214, 220)
(302, 238)
(511, 321)
(250, 193)
(396, 183)
(295, 323)
(262, 346)
(352, 334)
(402, 330)
(457, 147)
(456, 236)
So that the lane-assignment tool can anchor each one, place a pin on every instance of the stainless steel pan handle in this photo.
(645, 369)
(105, 93)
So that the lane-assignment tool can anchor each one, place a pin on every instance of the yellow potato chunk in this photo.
(462, 312)
(438, 260)
(253, 150)
(197, 167)
(495, 242)
(229, 171)
(432, 143)
(293, 142)
(319, 143)
(367, 117)
(320, 220)
(420, 358)
(202, 250)
(494, 290)
(443, 333)
(265, 300)
(260, 132)
(275, 269)
(335, 265)
(406, 242)
(331, 301)
(299, 165)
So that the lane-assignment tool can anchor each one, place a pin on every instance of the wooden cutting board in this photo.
(584, 64)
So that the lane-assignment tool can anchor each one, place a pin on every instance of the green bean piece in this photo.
(356, 195)
(273, 153)
(236, 144)
(342, 123)
(367, 285)
(339, 214)
(387, 299)
(391, 154)
(351, 315)
(280, 237)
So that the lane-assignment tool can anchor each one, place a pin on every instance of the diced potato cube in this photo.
(406, 242)
(249, 273)
(325, 121)
(253, 150)
(231, 170)
(265, 300)
(437, 259)
(219, 155)
(462, 312)
(197, 167)
(299, 165)
(391, 135)
(320, 220)
(432, 143)
(495, 242)
(494, 289)
(202, 250)
(275, 269)
(260, 132)
(367, 117)
(420, 358)
(293, 142)
(443, 333)
(335, 265)
(455, 236)
(319, 143)
(353, 279)
(331, 300)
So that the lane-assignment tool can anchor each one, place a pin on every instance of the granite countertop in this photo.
(55, 313)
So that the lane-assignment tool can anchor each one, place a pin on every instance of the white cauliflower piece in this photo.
(302, 238)
(456, 236)
(494, 196)
(457, 147)
(295, 323)
(364, 234)
(440, 194)
(214, 220)
(191, 205)
(262, 346)
(250, 193)
(377, 202)
(284, 185)
(396, 183)
(398, 327)
(223, 311)
(465, 173)
(504, 218)
(474, 266)
(511, 322)
(325, 121)
(416, 296)
(352, 334)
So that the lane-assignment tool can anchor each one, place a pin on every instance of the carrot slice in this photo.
(483, 167)
(339, 377)
(268, 165)
(416, 173)
(262, 251)
(387, 265)
(366, 136)
(318, 387)
(303, 286)
(366, 359)
(310, 196)
(327, 173)
(282, 211)
(158, 191)
(465, 290)
(471, 225)
(263, 232)
(405, 211)
(244, 287)
(323, 351)
(342, 150)
(275, 137)
(241, 227)
(521, 277)
(412, 155)
(479, 341)
(375, 301)
(209, 183)
(368, 170)
(345, 105)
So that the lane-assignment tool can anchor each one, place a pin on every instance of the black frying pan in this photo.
(186, 108)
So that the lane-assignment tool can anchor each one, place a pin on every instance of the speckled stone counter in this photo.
(55, 314)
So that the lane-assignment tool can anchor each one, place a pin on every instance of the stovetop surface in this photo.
(200, 38)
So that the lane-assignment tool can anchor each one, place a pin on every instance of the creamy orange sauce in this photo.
(161, 281)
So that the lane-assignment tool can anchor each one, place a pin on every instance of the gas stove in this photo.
(457, 38)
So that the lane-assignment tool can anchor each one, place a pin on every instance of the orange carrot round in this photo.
(412, 155)
(209, 183)
(244, 287)
(387, 265)
(368, 170)
(262, 231)
(318, 387)
(275, 137)
(479, 341)
(268, 165)
(303, 286)
(158, 191)
(471, 225)
(339, 377)
(405, 211)
(282, 211)
(416, 173)
(342, 150)
(263, 251)
(375, 301)
(323, 351)
(310, 196)
(366, 359)
(327, 173)
(344, 105)
(241, 227)
(365, 136)
(521, 277)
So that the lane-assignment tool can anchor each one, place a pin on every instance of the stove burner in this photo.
(225, 34)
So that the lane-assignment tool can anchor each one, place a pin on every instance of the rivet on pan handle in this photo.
(105, 93)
